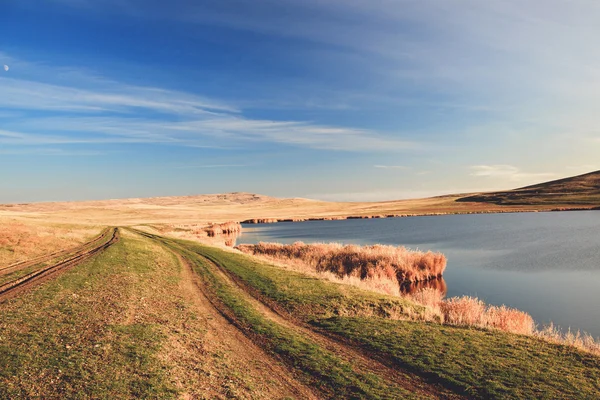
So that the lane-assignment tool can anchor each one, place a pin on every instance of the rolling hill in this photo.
(582, 190)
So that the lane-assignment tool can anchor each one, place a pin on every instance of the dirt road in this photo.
(64, 259)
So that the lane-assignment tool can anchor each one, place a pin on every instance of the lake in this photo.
(547, 264)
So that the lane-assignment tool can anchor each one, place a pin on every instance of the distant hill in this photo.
(581, 190)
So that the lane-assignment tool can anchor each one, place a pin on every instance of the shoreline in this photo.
(255, 221)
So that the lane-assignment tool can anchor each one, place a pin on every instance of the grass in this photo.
(477, 363)
(578, 191)
(225, 228)
(70, 337)
(376, 268)
(116, 326)
(300, 294)
(21, 240)
(334, 377)
(202, 209)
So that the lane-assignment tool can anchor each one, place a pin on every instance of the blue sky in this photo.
(335, 100)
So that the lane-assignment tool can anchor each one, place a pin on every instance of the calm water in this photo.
(547, 264)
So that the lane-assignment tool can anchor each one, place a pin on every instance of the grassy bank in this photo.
(476, 363)
(481, 364)
(318, 367)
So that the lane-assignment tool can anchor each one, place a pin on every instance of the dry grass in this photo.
(21, 241)
(381, 285)
(376, 263)
(470, 311)
(202, 209)
(214, 234)
(582, 341)
(226, 228)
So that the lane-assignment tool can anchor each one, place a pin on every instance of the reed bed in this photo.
(226, 228)
(377, 262)
(471, 311)
(582, 341)
(386, 269)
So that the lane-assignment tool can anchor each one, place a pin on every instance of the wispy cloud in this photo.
(113, 112)
(515, 60)
(508, 172)
(31, 95)
(391, 167)
(378, 195)
(56, 152)
(221, 132)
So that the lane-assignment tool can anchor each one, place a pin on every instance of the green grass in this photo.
(300, 294)
(331, 375)
(477, 363)
(480, 364)
(69, 338)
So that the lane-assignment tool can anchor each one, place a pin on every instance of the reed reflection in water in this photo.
(438, 284)
(230, 239)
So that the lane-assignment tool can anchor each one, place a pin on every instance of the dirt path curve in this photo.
(14, 287)
(272, 379)
(360, 361)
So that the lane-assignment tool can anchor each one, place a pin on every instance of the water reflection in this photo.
(438, 284)
(230, 239)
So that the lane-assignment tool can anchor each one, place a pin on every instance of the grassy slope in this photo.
(481, 364)
(333, 377)
(581, 190)
(104, 330)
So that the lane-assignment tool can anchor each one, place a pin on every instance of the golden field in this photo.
(218, 208)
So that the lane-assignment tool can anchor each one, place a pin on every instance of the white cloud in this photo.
(105, 111)
(380, 195)
(224, 132)
(32, 95)
(507, 172)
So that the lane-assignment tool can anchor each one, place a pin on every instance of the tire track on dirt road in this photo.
(15, 287)
(352, 355)
(360, 362)
(273, 379)
(48, 257)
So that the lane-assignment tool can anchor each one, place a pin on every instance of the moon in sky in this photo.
(5, 67)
